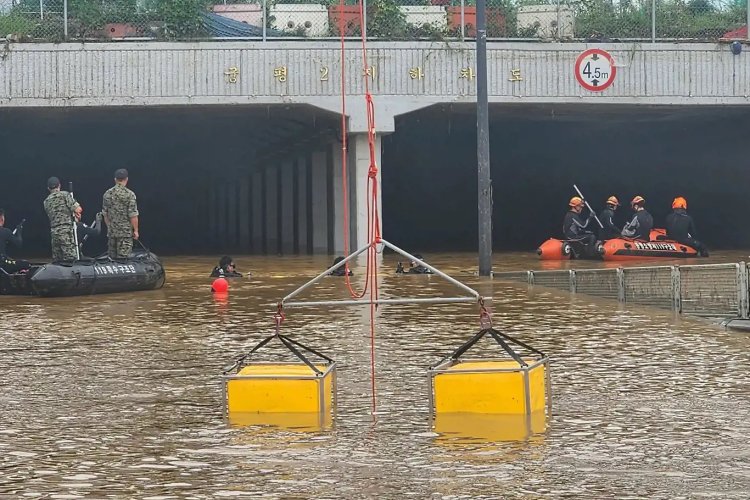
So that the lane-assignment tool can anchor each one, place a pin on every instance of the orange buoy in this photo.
(220, 285)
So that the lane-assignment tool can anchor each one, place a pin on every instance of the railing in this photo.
(560, 20)
(715, 290)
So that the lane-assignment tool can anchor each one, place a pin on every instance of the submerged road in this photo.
(120, 395)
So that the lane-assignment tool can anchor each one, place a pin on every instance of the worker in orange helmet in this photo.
(607, 217)
(681, 228)
(639, 228)
(575, 228)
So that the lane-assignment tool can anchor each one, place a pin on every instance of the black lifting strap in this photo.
(289, 344)
(502, 339)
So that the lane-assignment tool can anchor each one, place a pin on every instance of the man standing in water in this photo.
(63, 211)
(121, 216)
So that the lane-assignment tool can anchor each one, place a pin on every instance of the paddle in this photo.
(75, 230)
(588, 206)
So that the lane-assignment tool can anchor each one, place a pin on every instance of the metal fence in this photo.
(715, 290)
(561, 20)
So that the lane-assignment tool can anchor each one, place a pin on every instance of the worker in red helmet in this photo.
(639, 227)
(609, 231)
(575, 228)
(681, 228)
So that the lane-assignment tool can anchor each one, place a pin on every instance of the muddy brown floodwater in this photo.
(120, 396)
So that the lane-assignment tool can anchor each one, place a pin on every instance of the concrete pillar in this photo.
(257, 205)
(232, 208)
(337, 193)
(319, 202)
(244, 213)
(303, 204)
(287, 207)
(221, 215)
(360, 166)
(272, 211)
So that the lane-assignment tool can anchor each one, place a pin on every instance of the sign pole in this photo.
(483, 146)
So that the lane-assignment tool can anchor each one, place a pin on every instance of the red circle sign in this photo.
(595, 70)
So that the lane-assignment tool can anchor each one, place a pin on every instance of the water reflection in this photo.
(456, 429)
(121, 395)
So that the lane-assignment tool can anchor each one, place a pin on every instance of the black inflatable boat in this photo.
(142, 271)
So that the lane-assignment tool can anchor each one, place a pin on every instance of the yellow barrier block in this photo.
(489, 387)
(280, 388)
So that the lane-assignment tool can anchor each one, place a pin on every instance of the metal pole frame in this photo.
(747, 7)
(65, 18)
(474, 295)
(676, 289)
(653, 21)
(364, 19)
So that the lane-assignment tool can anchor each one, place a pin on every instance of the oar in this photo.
(75, 229)
(588, 206)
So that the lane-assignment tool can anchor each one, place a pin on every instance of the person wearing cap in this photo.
(341, 271)
(681, 228)
(575, 228)
(639, 227)
(63, 212)
(414, 267)
(226, 269)
(121, 216)
(609, 231)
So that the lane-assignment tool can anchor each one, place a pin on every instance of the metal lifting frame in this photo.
(475, 297)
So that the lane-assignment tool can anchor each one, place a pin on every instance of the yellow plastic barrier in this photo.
(516, 386)
(490, 387)
(280, 388)
(299, 394)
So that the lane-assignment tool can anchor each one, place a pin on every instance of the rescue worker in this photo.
(341, 271)
(639, 228)
(63, 212)
(121, 216)
(7, 264)
(609, 231)
(225, 269)
(414, 267)
(681, 228)
(574, 227)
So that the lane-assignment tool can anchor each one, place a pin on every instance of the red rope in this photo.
(373, 219)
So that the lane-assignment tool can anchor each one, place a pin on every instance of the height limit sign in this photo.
(595, 70)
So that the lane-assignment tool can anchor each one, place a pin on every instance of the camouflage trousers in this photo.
(63, 245)
(119, 248)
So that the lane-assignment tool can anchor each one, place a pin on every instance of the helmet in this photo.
(575, 202)
(638, 200)
(679, 202)
(613, 201)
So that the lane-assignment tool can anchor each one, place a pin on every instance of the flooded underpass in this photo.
(120, 395)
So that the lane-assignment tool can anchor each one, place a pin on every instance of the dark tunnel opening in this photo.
(171, 153)
(428, 165)
(539, 152)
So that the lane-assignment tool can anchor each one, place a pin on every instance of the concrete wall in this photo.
(107, 74)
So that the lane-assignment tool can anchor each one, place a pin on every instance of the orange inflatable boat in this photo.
(619, 249)
(658, 247)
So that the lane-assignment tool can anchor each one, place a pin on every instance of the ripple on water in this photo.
(127, 402)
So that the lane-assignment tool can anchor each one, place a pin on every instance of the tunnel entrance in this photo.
(172, 154)
(539, 151)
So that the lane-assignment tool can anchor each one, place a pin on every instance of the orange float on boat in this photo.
(624, 249)
(554, 249)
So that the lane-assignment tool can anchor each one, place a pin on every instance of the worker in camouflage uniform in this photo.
(121, 216)
(63, 210)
